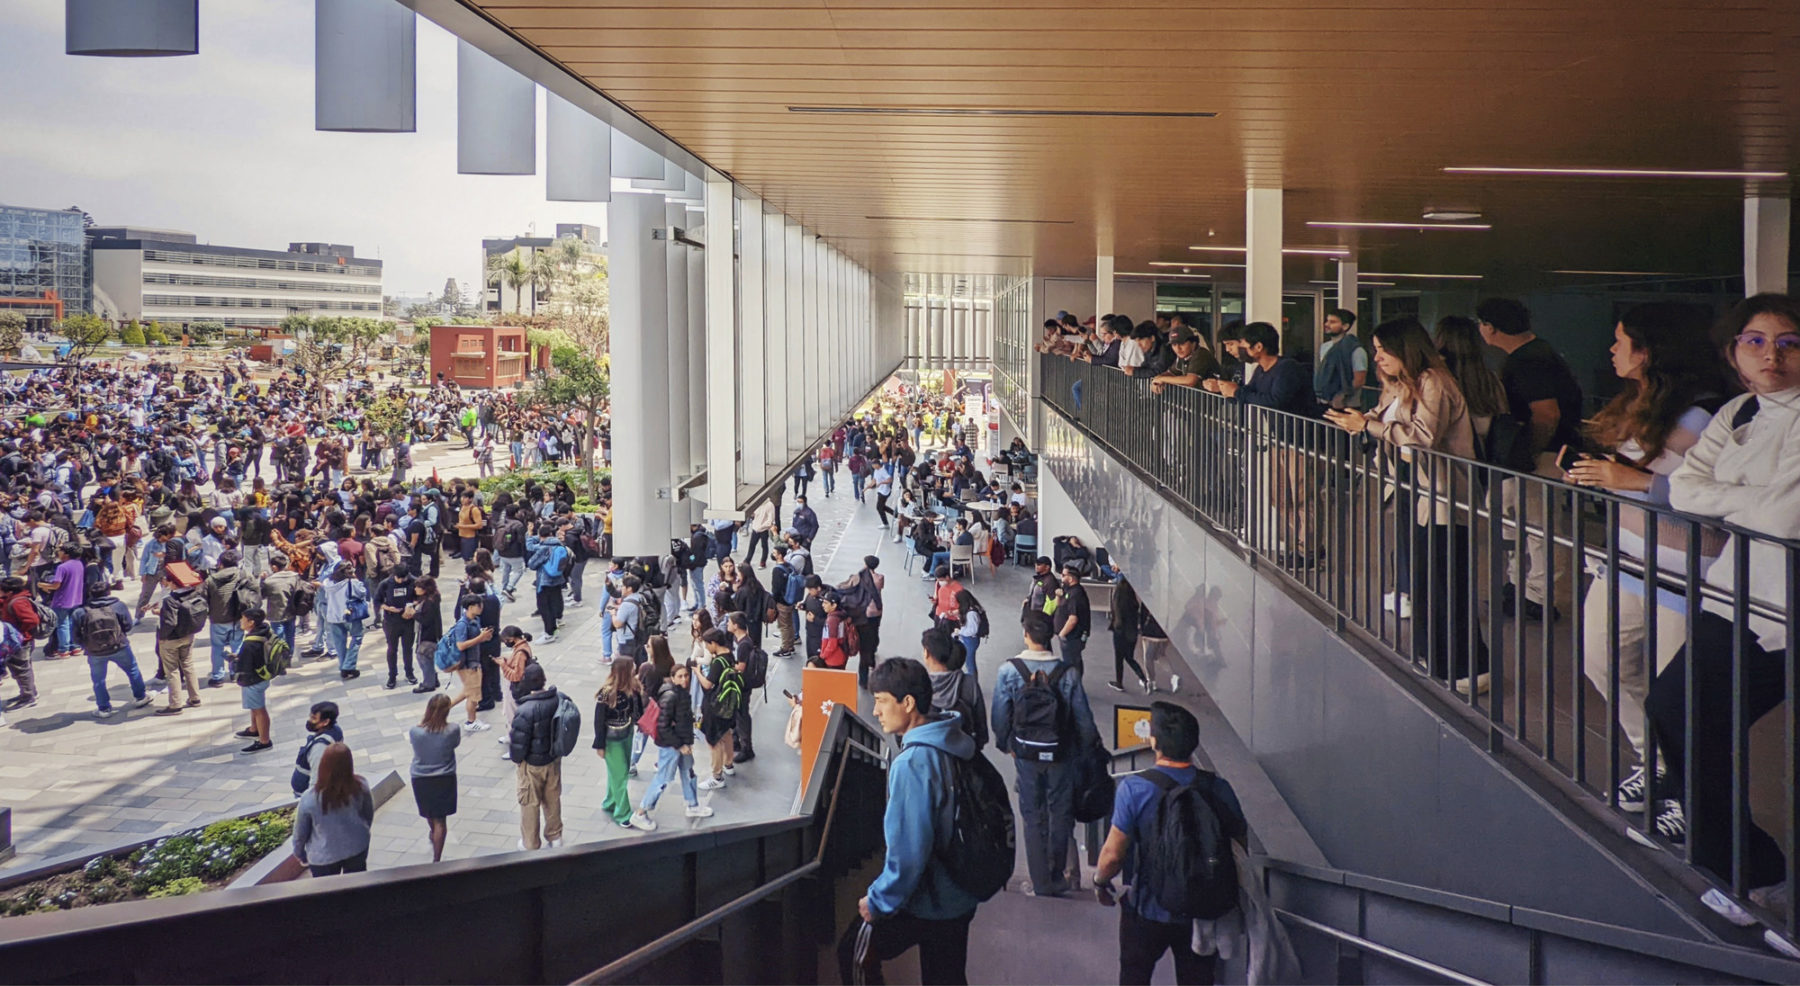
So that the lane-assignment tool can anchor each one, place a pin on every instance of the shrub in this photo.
(514, 481)
(131, 334)
(179, 887)
(155, 334)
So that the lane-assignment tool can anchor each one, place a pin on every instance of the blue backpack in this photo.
(794, 588)
(559, 556)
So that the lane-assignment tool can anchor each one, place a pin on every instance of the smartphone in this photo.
(1566, 459)
(789, 694)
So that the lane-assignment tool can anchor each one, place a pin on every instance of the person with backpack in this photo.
(631, 623)
(753, 663)
(510, 537)
(787, 587)
(812, 611)
(1174, 827)
(184, 612)
(971, 622)
(860, 597)
(954, 685)
(101, 625)
(280, 592)
(550, 561)
(344, 606)
(261, 658)
(151, 557)
(617, 707)
(1041, 717)
(722, 688)
(322, 730)
(669, 721)
(228, 593)
(19, 610)
(921, 897)
(534, 745)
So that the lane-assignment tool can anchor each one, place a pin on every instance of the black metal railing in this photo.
(1369, 529)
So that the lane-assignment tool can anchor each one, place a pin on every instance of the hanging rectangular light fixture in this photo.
(365, 77)
(496, 116)
(131, 28)
(577, 154)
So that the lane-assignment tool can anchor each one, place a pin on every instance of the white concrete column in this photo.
(698, 397)
(675, 375)
(496, 116)
(840, 338)
(131, 28)
(1765, 245)
(720, 356)
(577, 152)
(811, 386)
(777, 355)
(1346, 293)
(364, 66)
(1262, 258)
(638, 274)
(752, 285)
(1103, 287)
(796, 398)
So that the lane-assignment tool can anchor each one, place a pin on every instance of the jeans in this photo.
(671, 762)
(698, 578)
(127, 662)
(344, 640)
(425, 655)
(1072, 648)
(226, 639)
(1046, 807)
(511, 571)
(828, 478)
(943, 948)
(1142, 943)
(256, 559)
(970, 646)
(577, 572)
(856, 486)
(606, 635)
(285, 630)
(65, 627)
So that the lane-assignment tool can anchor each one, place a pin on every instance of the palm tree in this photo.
(511, 270)
(544, 268)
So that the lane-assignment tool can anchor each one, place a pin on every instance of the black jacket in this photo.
(629, 708)
(533, 738)
(675, 723)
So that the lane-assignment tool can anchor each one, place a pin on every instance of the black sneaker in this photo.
(1671, 821)
(257, 747)
(411, 680)
(392, 683)
(1634, 791)
(20, 702)
(422, 690)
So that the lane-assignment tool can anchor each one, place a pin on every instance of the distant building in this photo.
(500, 297)
(482, 356)
(43, 263)
(168, 276)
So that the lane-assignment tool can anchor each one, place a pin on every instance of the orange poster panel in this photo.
(821, 690)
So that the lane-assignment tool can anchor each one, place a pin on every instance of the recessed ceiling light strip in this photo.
(1615, 172)
(1445, 277)
(1304, 251)
(1413, 226)
(992, 111)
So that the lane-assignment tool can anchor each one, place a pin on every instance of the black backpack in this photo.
(1039, 717)
(980, 850)
(1184, 857)
(101, 632)
(756, 670)
(650, 616)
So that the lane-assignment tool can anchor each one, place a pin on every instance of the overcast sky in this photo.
(222, 145)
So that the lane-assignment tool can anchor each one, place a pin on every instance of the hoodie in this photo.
(961, 692)
(917, 821)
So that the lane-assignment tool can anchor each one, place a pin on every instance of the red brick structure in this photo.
(484, 356)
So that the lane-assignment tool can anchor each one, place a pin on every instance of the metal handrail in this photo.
(686, 932)
(1377, 948)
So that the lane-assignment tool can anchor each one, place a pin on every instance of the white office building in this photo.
(170, 277)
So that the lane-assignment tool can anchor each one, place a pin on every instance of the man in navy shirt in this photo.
(1146, 928)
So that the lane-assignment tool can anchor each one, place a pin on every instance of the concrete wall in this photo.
(120, 274)
(1076, 296)
(1380, 782)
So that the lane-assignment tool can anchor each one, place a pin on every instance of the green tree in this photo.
(12, 332)
(452, 298)
(362, 334)
(86, 333)
(131, 334)
(205, 331)
(155, 334)
(296, 325)
(511, 270)
(581, 382)
(388, 416)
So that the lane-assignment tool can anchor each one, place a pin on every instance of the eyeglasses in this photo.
(1786, 346)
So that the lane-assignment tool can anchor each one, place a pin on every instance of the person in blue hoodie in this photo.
(914, 901)
(551, 559)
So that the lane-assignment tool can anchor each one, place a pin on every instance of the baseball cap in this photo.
(1183, 335)
(1044, 560)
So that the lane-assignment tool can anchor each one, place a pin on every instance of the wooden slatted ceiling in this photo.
(1353, 106)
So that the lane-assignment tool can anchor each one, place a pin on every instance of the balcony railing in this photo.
(1356, 523)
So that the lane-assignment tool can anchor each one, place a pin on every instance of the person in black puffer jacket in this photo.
(674, 749)
(537, 760)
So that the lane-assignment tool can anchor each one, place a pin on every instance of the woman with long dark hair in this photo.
(332, 822)
(617, 707)
(1672, 385)
(434, 744)
(1422, 409)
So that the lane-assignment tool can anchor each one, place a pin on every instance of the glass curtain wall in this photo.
(950, 320)
(1014, 336)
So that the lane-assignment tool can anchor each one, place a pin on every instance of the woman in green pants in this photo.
(616, 711)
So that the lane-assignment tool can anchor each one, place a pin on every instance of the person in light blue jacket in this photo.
(550, 558)
(915, 900)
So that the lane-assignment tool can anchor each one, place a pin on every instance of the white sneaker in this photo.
(1483, 682)
(699, 811)
(105, 713)
(1175, 683)
(549, 638)
(522, 846)
(642, 822)
(142, 702)
(1729, 909)
(710, 784)
(476, 726)
(554, 844)
(1780, 944)
(731, 770)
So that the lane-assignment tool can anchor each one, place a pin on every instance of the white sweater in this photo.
(1748, 476)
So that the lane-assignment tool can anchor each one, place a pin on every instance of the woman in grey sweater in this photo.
(434, 770)
(331, 826)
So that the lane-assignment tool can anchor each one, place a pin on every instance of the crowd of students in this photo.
(1706, 421)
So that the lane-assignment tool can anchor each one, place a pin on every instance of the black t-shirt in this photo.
(1074, 603)
(1537, 372)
